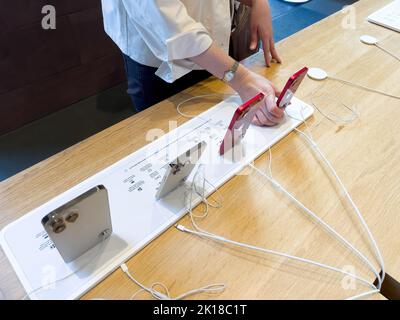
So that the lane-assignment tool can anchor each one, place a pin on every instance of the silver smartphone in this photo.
(80, 224)
(179, 169)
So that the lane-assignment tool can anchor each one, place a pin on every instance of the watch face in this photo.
(229, 76)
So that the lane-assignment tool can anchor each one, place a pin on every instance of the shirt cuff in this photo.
(188, 44)
(180, 48)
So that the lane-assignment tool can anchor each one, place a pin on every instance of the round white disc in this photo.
(370, 40)
(317, 74)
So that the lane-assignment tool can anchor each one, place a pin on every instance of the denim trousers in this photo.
(146, 89)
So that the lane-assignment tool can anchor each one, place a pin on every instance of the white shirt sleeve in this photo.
(171, 34)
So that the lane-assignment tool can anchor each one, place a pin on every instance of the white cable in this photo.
(334, 118)
(203, 233)
(319, 220)
(387, 51)
(360, 216)
(178, 107)
(308, 211)
(356, 209)
(201, 194)
(153, 287)
(364, 87)
(273, 252)
(212, 288)
(315, 147)
(203, 200)
(270, 162)
(362, 295)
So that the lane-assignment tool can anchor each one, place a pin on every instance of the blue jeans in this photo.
(147, 89)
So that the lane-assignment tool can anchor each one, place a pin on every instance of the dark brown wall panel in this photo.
(42, 71)
(88, 32)
(18, 13)
(32, 53)
(53, 93)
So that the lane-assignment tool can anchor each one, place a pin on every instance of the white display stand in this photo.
(137, 217)
(388, 16)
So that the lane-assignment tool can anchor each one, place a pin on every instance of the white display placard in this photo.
(137, 218)
(388, 16)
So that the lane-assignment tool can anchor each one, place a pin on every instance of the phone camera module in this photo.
(72, 217)
(57, 224)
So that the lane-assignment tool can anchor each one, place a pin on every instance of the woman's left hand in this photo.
(261, 29)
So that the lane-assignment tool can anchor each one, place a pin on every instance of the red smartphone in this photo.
(291, 87)
(240, 122)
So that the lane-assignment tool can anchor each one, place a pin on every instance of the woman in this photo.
(163, 40)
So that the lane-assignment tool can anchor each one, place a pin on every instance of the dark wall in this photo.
(42, 71)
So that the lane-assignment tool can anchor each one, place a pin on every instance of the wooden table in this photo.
(365, 154)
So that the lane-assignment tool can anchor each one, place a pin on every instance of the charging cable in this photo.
(314, 146)
(272, 252)
(320, 74)
(212, 288)
(203, 233)
(333, 117)
(372, 41)
(185, 115)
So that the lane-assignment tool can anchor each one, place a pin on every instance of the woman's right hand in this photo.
(248, 84)
(245, 82)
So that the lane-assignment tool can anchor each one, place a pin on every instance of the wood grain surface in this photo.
(365, 154)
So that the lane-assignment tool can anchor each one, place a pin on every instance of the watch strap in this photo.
(231, 71)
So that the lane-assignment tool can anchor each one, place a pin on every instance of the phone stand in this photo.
(136, 217)
(179, 170)
(237, 151)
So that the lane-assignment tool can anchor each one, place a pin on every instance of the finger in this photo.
(276, 111)
(267, 55)
(274, 52)
(273, 108)
(254, 38)
(275, 118)
(265, 121)
(262, 119)
(256, 121)
(272, 118)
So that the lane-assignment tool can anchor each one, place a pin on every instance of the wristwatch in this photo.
(230, 74)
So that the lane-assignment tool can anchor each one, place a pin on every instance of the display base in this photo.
(137, 217)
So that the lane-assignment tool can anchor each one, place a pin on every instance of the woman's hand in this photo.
(245, 82)
(248, 84)
(261, 29)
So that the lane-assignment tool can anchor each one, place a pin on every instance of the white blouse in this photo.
(165, 33)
